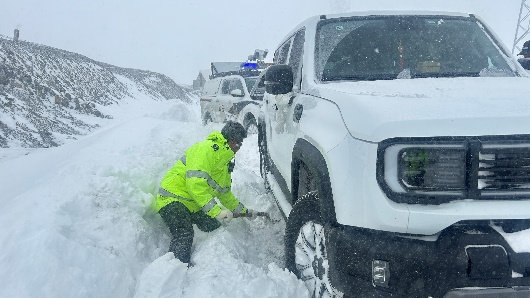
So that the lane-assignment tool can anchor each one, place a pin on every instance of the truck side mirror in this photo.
(279, 79)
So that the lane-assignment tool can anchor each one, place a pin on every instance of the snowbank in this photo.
(76, 220)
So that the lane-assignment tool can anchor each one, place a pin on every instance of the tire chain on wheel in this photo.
(305, 209)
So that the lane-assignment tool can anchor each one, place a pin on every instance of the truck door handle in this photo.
(298, 109)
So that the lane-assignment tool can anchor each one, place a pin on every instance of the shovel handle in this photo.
(265, 214)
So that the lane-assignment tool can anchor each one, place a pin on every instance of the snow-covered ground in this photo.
(75, 220)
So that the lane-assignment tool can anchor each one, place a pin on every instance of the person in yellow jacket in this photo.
(188, 192)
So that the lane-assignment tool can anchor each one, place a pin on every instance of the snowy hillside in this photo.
(48, 95)
(76, 219)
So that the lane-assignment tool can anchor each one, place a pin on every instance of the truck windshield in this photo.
(390, 47)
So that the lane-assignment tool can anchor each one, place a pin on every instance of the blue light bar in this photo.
(249, 65)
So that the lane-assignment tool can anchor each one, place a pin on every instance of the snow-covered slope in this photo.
(75, 219)
(48, 95)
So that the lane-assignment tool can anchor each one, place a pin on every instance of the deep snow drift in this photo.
(75, 220)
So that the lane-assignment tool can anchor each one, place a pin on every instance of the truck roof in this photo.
(315, 19)
(394, 13)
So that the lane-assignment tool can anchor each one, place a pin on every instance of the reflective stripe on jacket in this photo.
(199, 177)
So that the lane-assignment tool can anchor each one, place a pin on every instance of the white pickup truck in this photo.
(397, 144)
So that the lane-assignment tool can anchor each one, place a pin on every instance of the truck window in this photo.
(236, 84)
(210, 87)
(226, 87)
(250, 82)
(295, 59)
(230, 85)
(282, 53)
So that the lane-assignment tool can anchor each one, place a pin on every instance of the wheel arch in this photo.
(306, 153)
(243, 108)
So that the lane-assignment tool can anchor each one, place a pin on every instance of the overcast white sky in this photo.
(180, 37)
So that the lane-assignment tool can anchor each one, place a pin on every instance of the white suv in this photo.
(228, 98)
(398, 147)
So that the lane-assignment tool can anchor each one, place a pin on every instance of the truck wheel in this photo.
(305, 247)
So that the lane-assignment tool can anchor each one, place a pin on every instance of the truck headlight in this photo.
(417, 172)
(432, 168)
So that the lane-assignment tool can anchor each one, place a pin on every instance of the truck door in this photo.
(227, 99)
(237, 92)
(283, 109)
(209, 101)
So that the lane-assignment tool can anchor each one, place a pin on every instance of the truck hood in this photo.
(377, 110)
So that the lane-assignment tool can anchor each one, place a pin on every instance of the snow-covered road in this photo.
(75, 220)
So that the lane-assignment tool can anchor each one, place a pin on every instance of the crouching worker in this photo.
(187, 193)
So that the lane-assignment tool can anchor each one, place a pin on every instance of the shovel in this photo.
(260, 214)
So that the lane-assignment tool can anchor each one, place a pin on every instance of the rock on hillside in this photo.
(48, 95)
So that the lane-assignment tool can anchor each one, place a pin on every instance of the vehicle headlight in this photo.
(423, 173)
(432, 168)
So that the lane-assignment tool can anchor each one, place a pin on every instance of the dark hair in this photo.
(234, 131)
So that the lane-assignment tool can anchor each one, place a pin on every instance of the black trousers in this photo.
(180, 223)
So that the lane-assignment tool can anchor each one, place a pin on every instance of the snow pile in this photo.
(76, 220)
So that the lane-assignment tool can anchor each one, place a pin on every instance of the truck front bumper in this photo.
(464, 260)
(515, 292)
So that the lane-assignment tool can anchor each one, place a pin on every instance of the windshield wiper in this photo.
(363, 77)
(413, 75)
(446, 74)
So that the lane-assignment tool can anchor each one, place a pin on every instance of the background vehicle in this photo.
(396, 144)
(227, 97)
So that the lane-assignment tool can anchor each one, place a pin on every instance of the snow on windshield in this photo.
(375, 48)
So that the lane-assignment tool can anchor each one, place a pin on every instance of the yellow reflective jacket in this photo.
(199, 177)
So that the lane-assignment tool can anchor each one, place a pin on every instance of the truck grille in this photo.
(502, 169)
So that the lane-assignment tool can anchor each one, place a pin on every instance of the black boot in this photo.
(178, 219)
(181, 244)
